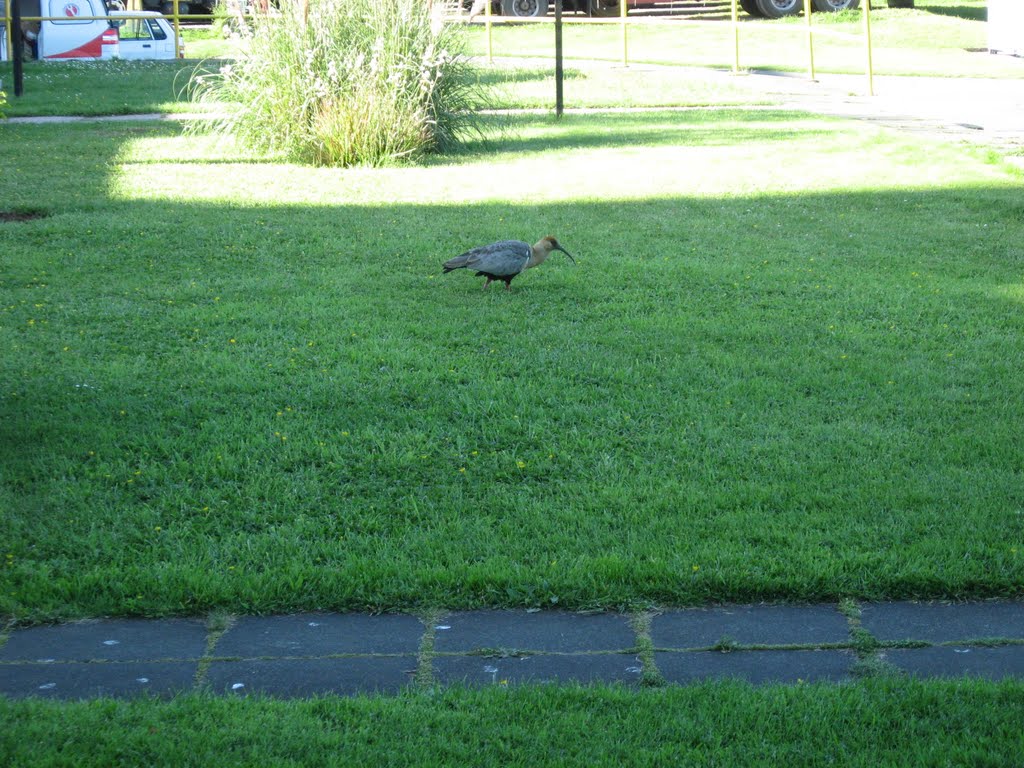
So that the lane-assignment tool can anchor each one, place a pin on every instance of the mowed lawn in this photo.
(786, 367)
(949, 722)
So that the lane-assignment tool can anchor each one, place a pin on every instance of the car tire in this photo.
(830, 6)
(776, 9)
(605, 8)
(750, 7)
(524, 8)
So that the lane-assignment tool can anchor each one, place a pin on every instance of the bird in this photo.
(505, 259)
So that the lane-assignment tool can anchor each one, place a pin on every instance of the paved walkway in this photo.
(975, 110)
(315, 654)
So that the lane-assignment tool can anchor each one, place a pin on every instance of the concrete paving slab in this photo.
(558, 631)
(568, 668)
(108, 640)
(312, 677)
(321, 634)
(85, 681)
(938, 622)
(751, 625)
(755, 666)
(957, 661)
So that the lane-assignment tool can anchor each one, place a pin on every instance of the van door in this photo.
(143, 38)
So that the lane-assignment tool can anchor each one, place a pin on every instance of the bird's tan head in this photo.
(550, 243)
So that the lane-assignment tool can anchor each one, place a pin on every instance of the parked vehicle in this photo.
(185, 7)
(532, 8)
(146, 35)
(772, 9)
(78, 29)
(85, 30)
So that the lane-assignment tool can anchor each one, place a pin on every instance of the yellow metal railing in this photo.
(810, 30)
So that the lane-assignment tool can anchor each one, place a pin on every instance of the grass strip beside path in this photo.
(939, 722)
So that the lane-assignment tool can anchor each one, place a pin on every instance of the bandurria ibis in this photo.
(505, 259)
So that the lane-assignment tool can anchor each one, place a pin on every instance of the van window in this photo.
(135, 29)
(156, 29)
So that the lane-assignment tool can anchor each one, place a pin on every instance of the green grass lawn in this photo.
(85, 88)
(939, 723)
(786, 367)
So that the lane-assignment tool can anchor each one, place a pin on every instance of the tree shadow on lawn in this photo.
(504, 133)
(496, 75)
(957, 11)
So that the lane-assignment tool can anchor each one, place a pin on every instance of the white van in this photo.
(79, 29)
(146, 35)
(83, 30)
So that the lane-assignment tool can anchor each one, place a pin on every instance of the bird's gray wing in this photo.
(506, 257)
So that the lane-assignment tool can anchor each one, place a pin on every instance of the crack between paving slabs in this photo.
(869, 661)
(424, 678)
(642, 648)
(217, 625)
(650, 675)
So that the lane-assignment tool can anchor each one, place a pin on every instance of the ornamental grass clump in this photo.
(347, 82)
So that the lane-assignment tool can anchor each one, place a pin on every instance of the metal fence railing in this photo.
(739, 28)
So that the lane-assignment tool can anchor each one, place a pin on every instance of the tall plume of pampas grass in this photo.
(346, 82)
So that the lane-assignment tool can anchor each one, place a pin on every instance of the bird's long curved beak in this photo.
(560, 248)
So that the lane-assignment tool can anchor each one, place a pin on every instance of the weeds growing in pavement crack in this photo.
(641, 623)
(217, 623)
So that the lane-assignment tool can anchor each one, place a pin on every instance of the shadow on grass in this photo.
(965, 12)
(506, 134)
(497, 76)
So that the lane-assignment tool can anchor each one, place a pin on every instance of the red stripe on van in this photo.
(91, 50)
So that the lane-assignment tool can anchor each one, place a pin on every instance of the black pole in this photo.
(558, 58)
(17, 48)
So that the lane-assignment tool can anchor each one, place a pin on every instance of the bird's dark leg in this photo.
(508, 284)
(486, 283)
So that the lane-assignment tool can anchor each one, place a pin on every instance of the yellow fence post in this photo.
(867, 47)
(623, 9)
(735, 37)
(490, 43)
(810, 39)
(177, 28)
